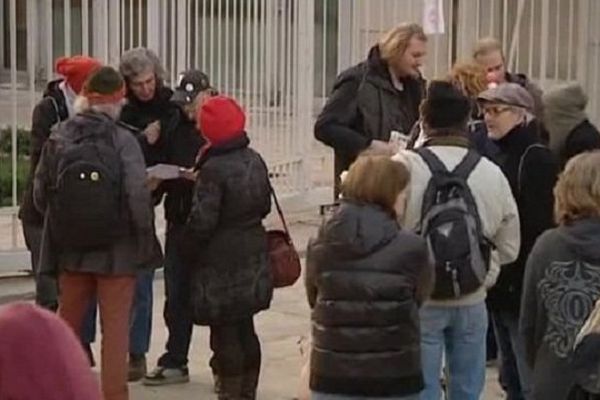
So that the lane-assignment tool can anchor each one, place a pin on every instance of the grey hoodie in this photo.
(561, 286)
(564, 109)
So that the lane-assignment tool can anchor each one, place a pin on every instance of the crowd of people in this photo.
(466, 218)
(511, 249)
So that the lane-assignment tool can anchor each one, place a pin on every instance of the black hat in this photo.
(190, 84)
(445, 106)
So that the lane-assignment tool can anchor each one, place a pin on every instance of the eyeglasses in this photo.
(495, 110)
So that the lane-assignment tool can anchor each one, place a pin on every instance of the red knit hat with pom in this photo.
(76, 70)
(221, 119)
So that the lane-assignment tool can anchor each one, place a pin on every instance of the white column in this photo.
(305, 83)
(100, 29)
(345, 33)
(1, 36)
(182, 36)
(114, 32)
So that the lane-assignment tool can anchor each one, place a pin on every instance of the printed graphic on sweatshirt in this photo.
(569, 291)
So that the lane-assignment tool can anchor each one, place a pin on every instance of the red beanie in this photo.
(41, 358)
(76, 70)
(221, 119)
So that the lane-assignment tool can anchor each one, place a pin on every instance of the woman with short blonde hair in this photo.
(562, 279)
(365, 281)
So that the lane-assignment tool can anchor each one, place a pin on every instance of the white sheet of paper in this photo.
(164, 171)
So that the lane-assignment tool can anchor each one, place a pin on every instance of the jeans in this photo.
(46, 287)
(177, 311)
(114, 294)
(327, 396)
(460, 332)
(236, 349)
(140, 328)
(515, 375)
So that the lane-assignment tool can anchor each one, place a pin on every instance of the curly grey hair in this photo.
(138, 61)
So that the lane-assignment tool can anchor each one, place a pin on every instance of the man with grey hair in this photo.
(531, 170)
(148, 110)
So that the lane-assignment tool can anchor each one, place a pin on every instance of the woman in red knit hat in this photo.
(226, 245)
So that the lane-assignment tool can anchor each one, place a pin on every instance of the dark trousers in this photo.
(46, 286)
(515, 375)
(236, 349)
(177, 311)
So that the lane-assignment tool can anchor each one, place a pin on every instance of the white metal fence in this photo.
(278, 57)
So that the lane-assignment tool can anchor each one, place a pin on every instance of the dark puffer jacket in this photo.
(365, 279)
(225, 240)
(364, 106)
(51, 110)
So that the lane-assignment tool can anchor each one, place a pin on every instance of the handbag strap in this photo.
(279, 211)
(277, 205)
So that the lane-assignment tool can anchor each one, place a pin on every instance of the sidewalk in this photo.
(279, 328)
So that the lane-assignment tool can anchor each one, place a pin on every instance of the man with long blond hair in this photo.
(374, 98)
(562, 284)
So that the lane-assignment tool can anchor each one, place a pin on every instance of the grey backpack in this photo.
(451, 226)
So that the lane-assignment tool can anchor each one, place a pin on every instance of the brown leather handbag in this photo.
(283, 257)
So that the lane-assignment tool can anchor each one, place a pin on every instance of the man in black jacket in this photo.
(180, 145)
(374, 98)
(531, 170)
(149, 110)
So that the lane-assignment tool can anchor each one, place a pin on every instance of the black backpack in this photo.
(451, 225)
(86, 206)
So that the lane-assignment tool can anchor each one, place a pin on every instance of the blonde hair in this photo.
(376, 180)
(485, 46)
(395, 41)
(577, 192)
(469, 78)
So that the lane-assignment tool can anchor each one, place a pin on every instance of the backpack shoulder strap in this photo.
(433, 162)
(522, 162)
(467, 165)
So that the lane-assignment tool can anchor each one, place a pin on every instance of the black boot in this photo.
(231, 387)
(249, 384)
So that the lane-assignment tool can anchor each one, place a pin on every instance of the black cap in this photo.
(190, 84)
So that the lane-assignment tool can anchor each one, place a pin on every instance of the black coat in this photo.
(533, 192)
(225, 241)
(48, 112)
(365, 279)
(179, 146)
(138, 115)
(584, 137)
(364, 106)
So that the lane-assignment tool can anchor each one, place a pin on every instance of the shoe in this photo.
(167, 376)
(137, 367)
(231, 388)
(249, 385)
(216, 383)
(90, 354)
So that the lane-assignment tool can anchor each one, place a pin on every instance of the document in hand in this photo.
(164, 171)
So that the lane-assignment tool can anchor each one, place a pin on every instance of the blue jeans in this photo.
(460, 332)
(177, 311)
(140, 327)
(515, 374)
(327, 396)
